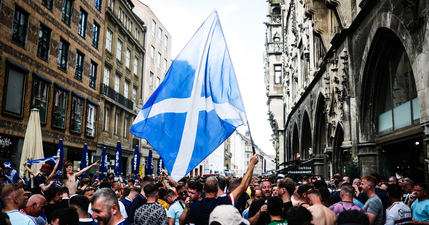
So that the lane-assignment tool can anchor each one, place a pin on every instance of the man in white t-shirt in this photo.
(398, 213)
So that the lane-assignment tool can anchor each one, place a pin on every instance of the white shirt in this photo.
(398, 213)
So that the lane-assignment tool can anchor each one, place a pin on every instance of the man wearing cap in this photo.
(226, 215)
(12, 176)
(40, 179)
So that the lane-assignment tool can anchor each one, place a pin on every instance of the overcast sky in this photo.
(242, 23)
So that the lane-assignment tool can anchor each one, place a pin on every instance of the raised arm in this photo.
(246, 178)
(172, 182)
(54, 170)
(29, 170)
(86, 168)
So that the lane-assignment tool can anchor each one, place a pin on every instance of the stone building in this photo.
(157, 61)
(50, 59)
(122, 72)
(353, 87)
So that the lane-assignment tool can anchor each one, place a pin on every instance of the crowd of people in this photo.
(74, 198)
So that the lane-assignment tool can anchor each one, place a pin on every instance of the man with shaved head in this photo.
(14, 199)
(35, 206)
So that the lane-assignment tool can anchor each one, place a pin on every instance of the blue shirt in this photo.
(420, 210)
(127, 203)
(175, 211)
(18, 218)
(12, 177)
(357, 202)
(195, 216)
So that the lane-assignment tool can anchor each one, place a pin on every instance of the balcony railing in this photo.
(111, 93)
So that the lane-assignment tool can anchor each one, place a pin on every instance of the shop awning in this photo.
(305, 168)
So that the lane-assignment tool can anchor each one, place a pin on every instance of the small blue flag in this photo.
(197, 106)
(53, 159)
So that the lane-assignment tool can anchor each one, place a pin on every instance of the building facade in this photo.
(354, 85)
(51, 59)
(157, 61)
(122, 73)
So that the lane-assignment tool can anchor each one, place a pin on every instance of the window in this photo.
(165, 42)
(152, 53)
(110, 4)
(19, 32)
(128, 58)
(153, 28)
(151, 80)
(137, 34)
(67, 10)
(79, 65)
(160, 35)
(165, 66)
(62, 55)
(126, 90)
(120, 14)
(43, 44)
(277, 74)
(106, 119)
(125, 127)
(14, 90)
(116, 123)
(398, 95)
(95, 34)
(48, 4)
(159, 60)
(90, 120)
(134, 94)
(60, 107)
(76, 114)
(136, 65)
(276, 39)
(158, 81)
(93, 74)
(98, 4)
(117, 79)
(82, 23)
(119, 50)
(39, 96)
(106, 75)
(109, 40)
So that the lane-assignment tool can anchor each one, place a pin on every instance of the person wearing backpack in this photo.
(346, 210)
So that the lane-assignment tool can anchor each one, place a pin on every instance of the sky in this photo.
(242, 24)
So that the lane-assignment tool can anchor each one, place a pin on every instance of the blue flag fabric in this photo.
(197, 106)
(136, 160)
(53, 159)
(160, 165)
(104, 163)
(60, 154)
(118, 159)
(149, 165)
(84, 162)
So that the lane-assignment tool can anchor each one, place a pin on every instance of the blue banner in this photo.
(60, 154)
(118, 159)
(104, 164)
(160, 165)
(136, 160)
(149, 165)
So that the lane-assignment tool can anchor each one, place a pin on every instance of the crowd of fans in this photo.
(274, 200)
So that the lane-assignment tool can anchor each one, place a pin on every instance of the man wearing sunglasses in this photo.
(176, 208)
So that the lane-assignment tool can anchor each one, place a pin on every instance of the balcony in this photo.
(111, 93)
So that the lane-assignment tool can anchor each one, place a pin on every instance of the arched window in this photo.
(399, 105)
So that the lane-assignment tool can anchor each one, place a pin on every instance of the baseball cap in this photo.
(227, 215)
(46, 168)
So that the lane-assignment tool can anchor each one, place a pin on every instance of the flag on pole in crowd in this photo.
(84, 162)
(60, 154)
(118, 159)
(104, 163)
(160, 165)
(37, 161)
(197, 106)
(136, 161)
(149, 165)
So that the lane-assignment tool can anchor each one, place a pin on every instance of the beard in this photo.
(105, 220)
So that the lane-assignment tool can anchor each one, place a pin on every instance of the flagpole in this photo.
(251, 139)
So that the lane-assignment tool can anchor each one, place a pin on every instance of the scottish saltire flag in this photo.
(53, 159)
(149, 165)
(118, 158)
(197, 106)
(60, 154)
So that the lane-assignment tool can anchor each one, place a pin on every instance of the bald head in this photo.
(211, 185)
(36, 205)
